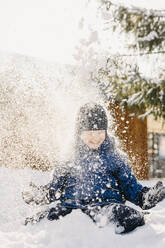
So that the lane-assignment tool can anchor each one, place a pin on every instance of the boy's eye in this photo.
(83, 135)
(92, 134)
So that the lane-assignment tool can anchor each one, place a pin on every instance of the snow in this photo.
(143, 116)
(151, 36)
(74, 230)
(34, 96)
(135, 98)
(159, 4)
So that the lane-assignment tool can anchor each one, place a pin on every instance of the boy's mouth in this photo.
(94, 145)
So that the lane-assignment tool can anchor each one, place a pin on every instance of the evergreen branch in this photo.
(138, 54)
(150, 12)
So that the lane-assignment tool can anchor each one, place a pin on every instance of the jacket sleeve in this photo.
(127, 182)
(57, 186)
(59, 180)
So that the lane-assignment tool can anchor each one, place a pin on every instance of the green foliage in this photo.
(131, 89)
(148, 28)
(122, 80)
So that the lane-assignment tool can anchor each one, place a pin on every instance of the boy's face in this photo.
(93, 138)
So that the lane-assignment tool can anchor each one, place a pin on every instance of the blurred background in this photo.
(56, 56)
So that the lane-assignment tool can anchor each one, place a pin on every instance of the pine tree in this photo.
(122, 78)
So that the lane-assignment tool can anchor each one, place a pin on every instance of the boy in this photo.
(99, 181)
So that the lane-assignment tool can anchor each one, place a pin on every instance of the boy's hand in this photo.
(151, 196)
(36, 195)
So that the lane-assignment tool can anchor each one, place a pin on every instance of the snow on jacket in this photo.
(99, 177)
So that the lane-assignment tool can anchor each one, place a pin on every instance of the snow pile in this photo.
(74, 230)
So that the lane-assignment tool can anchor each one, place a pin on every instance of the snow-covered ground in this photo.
(74, 230)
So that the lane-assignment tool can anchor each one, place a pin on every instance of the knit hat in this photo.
(92, 117)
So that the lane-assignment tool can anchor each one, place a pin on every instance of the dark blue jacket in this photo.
(98, 177)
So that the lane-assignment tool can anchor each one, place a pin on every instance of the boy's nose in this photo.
(95, 139)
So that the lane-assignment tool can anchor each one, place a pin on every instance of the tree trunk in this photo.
(134, 139)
